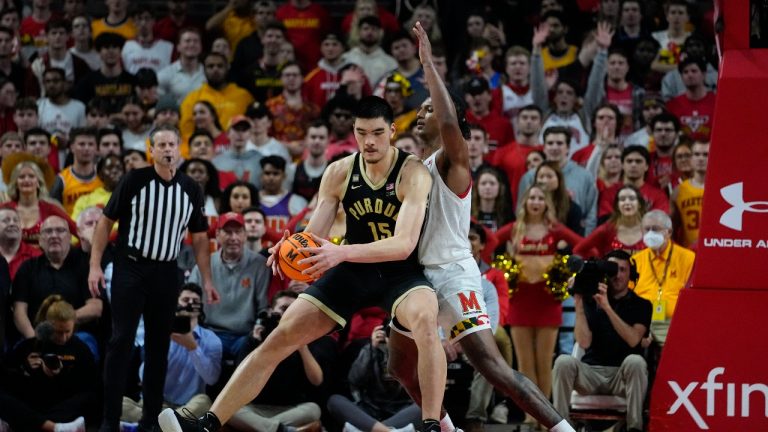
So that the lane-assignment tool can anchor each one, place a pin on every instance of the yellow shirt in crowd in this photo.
(229, 102)
(651, 267)
(126, 29)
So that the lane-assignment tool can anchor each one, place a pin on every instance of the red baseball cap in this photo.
(231, 217)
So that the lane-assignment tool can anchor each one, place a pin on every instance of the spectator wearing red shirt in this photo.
(13, 249)
(635, 161)
(168, 27)
(606, 121)
(321, 83)
(477, 94)
(665, 129)
(696, 107)
(32, 29)
(306, 23)
(511, 158)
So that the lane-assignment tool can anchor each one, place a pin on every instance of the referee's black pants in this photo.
(139, 286)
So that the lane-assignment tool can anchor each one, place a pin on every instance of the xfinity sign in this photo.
(733, 398)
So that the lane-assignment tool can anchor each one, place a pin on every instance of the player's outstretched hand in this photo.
(425, 47)
(274, 251)
(322, 258)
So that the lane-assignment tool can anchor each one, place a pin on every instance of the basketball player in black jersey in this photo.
(384, 193)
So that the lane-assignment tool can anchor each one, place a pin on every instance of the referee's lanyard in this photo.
(660, 305)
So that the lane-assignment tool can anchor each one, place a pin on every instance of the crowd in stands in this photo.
(590, 124)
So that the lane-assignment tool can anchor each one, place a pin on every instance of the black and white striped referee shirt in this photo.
(153, 214)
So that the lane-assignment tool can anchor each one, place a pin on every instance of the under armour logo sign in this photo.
(733, 194)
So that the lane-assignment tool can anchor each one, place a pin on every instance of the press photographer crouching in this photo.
(284, 404)
(194, 360)
(50, 380)
(611, 322)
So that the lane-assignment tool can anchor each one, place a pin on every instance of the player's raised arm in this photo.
(444, 111)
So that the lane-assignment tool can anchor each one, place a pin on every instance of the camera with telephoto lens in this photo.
(182, 322)
(269, 320)
(593, 272)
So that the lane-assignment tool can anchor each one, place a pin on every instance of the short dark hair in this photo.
(642, 151)
(82, 131)
(108, 40)
(200, 132)
(532, 107)
(99, 104)
(284, 293)
(275, 25)
(560, 16)
(58, 24)
(318, 123)
(4, 29)
(665, 117)
(559, 130)
(62, 73)
(371, 20)
(476, 126)
(274, 160)
(36, 131)
(192, 287)
(143, 7)
(128, 152)
(26, 104)
(110, 131)
(479, 230)
(690, 60)
(373, 107)
(256, 209)
(398, 36)
(290, 63)
(616, 112)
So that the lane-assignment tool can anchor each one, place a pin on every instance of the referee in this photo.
(154, 207)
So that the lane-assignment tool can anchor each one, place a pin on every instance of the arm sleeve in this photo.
(562, 232)
(590, 213)
(595, 86)
(261, 285)
(207, 357)
(197, 222)
(539, 83)
(117, 201)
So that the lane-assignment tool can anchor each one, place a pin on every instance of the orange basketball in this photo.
(290, 256)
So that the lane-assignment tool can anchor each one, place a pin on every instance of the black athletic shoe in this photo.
(171, 421)
(429, 425)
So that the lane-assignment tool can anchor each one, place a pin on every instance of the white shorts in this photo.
(460, 299)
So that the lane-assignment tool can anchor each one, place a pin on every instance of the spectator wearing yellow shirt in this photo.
(664, 269)
(236, 21)
(116, 21)
(110, 170)
(228, 98)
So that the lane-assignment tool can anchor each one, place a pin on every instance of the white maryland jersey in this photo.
(444, 239)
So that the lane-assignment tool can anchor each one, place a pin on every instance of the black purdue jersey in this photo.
(372, 210)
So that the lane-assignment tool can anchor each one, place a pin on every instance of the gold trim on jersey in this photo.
(386, 176)
(325, 309)
(404, 295)
(400, 175)
(346, 179)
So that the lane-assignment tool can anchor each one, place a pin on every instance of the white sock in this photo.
(446, 425)
(74, 426)
(563, 426)
(407, 428)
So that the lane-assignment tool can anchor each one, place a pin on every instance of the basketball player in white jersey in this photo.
(445, 252)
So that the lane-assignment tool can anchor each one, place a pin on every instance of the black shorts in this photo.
(349, 287)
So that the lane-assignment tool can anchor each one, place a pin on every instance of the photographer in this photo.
(609, 326)
(51, 379)
(380, 402)
(194, 360)
(284, 403)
